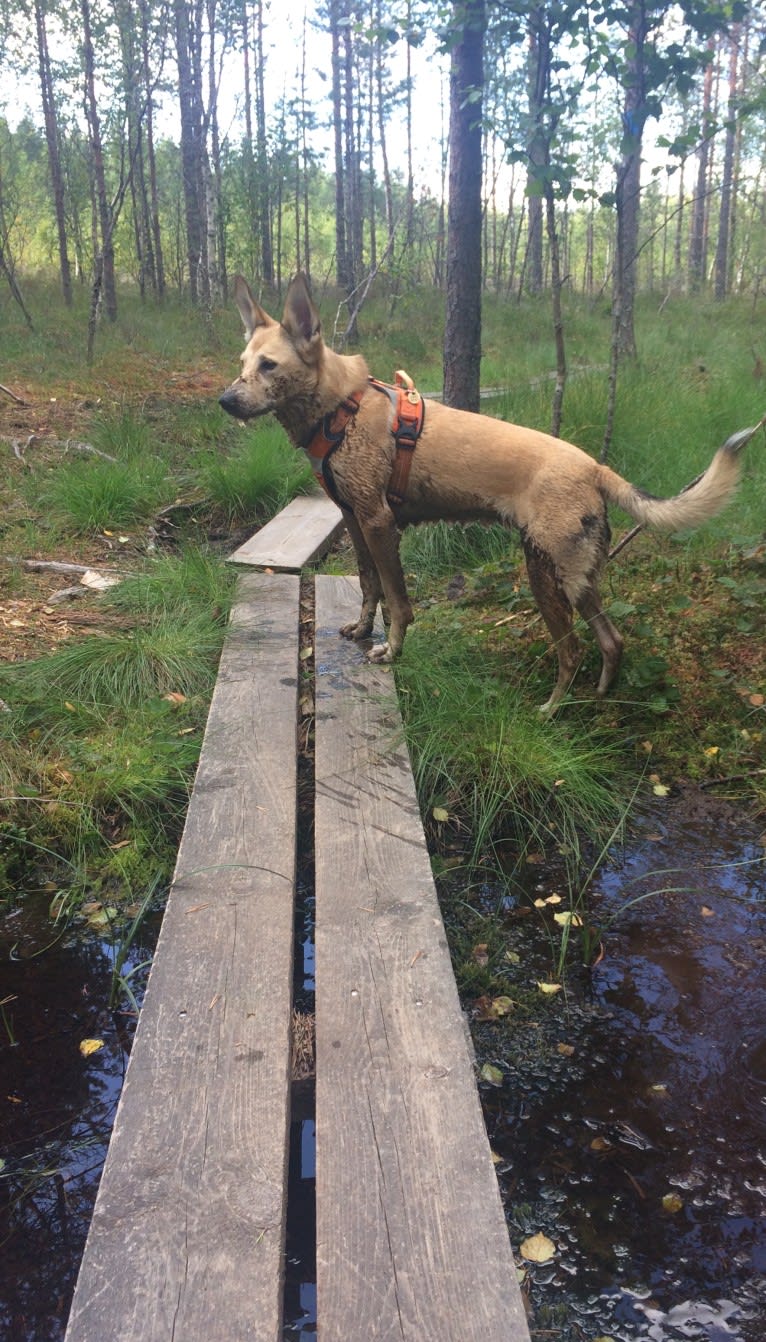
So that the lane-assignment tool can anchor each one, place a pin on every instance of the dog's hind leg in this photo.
(369, 578)
(556, 610)
(610, 640)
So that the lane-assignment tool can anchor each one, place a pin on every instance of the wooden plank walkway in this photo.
(412, 1242)
(301, 533)
(187, 1238)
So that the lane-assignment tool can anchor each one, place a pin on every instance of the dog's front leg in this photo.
(369, 579)
(381, 538)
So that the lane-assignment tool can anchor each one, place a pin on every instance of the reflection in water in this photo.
(56, 1109)
(643, 1155)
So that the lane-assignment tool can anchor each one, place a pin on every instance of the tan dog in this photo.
(465, 467)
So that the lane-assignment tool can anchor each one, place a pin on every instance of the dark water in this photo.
(660, 1093)
(642, 1153)
(56, 1106)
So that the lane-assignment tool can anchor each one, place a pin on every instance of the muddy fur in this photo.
(465, 467)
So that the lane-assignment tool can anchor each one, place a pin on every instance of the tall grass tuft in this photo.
(482, 748)
(91, 494)
(440, 548)
(192, 582)
(122, 669)
(258, 478)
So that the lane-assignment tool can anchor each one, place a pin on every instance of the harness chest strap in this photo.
(406, 426)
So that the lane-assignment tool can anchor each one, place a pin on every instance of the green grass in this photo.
(482, 749)
(97, 755)
(257, 478)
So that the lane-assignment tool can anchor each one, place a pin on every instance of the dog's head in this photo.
(281, 360)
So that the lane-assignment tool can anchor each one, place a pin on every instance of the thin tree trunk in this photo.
(54, 157)
(725, 211)
(698, 232)
(262, 154)
(462, 339)
(97, 161)
(342, 269)
(190, 105)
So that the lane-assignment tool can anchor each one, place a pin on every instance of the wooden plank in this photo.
(187, 1236)
(412, 1242)
(302, 532)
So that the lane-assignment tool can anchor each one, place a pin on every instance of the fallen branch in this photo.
(18, 399)
(69, 446)
(731, 778)
(49, 565)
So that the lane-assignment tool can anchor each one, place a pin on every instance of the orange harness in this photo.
(408, 412)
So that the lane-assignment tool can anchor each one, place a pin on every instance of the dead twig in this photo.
(69, 446)
(18, 399)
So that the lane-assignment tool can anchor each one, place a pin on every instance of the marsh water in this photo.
(630, 1125)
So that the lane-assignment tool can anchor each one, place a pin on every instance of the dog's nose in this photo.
(228, 402)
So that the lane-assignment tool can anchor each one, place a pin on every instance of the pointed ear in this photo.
(301, 319)
(251, 313)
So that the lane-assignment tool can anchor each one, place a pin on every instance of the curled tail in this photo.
(698, 502)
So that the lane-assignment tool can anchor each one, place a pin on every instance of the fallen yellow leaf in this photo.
(440, 814)
(491, 1074)
(88, 1046)
(549, 987)
(538, 1248)
(568, 918)
(672, 1203)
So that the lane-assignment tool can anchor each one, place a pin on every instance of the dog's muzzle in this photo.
(231, 403)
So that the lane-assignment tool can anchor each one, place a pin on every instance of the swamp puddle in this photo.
(56, 1103)
(658, 1093)
(633, 1135)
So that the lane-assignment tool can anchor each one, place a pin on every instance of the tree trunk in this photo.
(190, 106)
(54, 157)
(105, 220)
(726, 205)
(462, 339)
(698, 229)
(262, 154)
(537, 80)
(154, 200)
(342, 269)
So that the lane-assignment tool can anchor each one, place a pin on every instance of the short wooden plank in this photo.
(302, 532)
(187, 1236)
(412, 1242)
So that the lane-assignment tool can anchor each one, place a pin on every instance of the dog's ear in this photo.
(251, 313)
(301, 319)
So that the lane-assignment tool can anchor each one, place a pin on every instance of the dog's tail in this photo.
(697, 503)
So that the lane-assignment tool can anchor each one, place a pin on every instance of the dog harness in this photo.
(406, 425)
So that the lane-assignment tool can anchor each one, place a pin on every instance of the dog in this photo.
(464, 467)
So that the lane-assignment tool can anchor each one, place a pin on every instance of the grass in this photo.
(99, 755)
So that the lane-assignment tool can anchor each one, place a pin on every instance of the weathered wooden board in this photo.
(187, 1236)
(412, 1242)
(303, 531)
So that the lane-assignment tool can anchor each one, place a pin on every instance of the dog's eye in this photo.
(267, 365)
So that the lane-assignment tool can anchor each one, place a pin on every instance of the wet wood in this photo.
(411, 1238)
(187, 1236)
(301, 533)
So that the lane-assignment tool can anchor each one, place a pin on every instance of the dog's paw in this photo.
(380, 653)
(357, 629)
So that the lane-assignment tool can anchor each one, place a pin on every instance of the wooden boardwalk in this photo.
(187, 1237)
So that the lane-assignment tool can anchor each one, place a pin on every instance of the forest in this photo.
(609, 147)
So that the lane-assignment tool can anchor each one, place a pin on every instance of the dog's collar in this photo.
(406, 425)
(328, 433)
